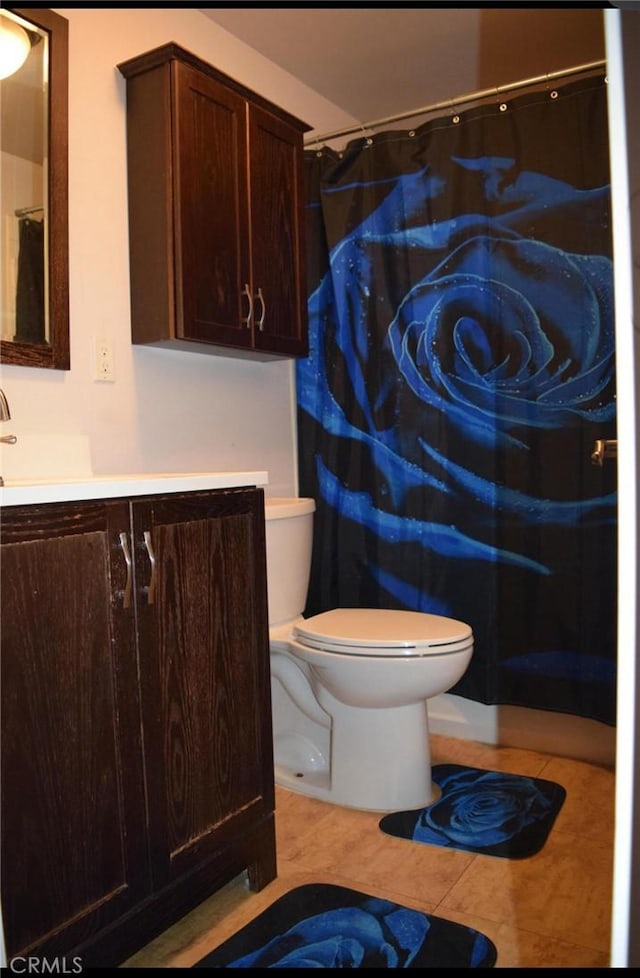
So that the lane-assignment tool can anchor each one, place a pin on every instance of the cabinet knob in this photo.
(247, 321)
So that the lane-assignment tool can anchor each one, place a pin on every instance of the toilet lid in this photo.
(379, 631)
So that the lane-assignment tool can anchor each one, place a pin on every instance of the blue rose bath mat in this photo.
(491, 812)
(325, 926)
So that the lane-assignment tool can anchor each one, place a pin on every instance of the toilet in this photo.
(350, 686)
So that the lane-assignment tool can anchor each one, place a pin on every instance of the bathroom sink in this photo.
(52, 481)
(16, 492)
(58, 468)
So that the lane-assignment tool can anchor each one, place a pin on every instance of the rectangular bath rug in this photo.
(324, 926)
(491, 812)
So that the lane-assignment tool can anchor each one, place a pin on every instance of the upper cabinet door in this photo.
(211, 205)
(279, 317)
(215, 212)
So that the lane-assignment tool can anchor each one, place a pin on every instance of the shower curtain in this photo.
(461, 366)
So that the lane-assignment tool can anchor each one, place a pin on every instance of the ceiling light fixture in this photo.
(14, 47)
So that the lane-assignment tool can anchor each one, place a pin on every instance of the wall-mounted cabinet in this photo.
(216, 223)
(137, 771)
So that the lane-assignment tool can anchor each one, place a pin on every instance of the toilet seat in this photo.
(383, 632)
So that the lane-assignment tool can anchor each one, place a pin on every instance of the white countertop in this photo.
(18, 492)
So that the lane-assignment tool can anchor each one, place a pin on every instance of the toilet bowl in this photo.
(350, 685)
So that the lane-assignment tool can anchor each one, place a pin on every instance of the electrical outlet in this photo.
(103, 369)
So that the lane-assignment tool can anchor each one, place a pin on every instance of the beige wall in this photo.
(514, 44)
(166, 411)
(169, 411)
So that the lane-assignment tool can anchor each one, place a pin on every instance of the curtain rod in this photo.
(460, 100)
(24, 211)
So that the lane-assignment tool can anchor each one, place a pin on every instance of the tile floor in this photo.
(549, 910)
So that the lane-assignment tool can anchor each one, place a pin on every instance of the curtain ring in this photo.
(367, 139)
(315, 144)
(502, 105)
(552, 91)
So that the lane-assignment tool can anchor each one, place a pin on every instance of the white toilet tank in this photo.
(289, 534)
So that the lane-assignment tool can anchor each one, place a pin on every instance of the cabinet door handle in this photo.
(150, 589)
(264, 310)
(247, 322)
(126, 594)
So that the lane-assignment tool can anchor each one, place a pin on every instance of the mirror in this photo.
(34, 238)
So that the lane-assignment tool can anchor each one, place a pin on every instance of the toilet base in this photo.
(373, 760)
(316, 784)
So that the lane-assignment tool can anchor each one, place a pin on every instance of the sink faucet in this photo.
(5, 415)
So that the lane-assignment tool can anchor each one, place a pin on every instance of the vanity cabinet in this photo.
(137, 771)
(216, 226)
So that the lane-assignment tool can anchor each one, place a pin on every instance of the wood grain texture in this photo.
(70, 793)
(137, 766)
(216, 221)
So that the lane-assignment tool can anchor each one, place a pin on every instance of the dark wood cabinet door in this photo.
(212, 216)
(73, 812)
(216, 222)
(279, 299)
(204, 672)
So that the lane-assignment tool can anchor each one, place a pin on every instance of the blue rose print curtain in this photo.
(461, 367)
